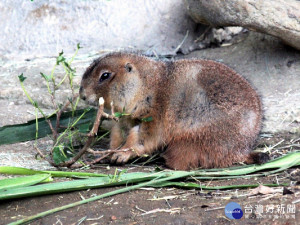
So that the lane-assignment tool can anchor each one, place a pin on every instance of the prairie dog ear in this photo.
(128, 67)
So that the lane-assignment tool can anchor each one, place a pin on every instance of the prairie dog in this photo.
(202, 112)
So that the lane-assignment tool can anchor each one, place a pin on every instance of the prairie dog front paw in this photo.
(123, 157)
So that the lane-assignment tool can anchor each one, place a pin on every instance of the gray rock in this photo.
(44, 28)
(280, 18)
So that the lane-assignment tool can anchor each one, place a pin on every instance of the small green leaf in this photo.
(78, 46)
(22, 78)
(147, 119)
(35, 104)
(69, 67)
(47, 78)
(118, 114)
(87, 109)
(60, 155)
(70, 100)
(60, 58)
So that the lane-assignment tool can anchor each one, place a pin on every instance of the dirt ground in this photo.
(171, 205)
(274, 69)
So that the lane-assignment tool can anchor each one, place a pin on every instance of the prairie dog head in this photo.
(113, 77)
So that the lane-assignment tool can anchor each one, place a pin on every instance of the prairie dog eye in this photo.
(128, 67)
(104, 76)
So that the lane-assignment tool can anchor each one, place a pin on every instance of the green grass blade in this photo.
(145, 179)
(25, 132)
(17, 171)
(8, 184)
(23, 171)
(52, 188)
(82, 184)
(281, 163)
(178, 175)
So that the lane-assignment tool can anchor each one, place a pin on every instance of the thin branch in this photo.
(54, 131)
(82, 151)
(99, 159)
(100, 112)
(91, 137)
(58, 115)
(39, 152)
(109, 151)
(111, 117)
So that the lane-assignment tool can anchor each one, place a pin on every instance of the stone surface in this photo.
(279, 18)
(44, 28)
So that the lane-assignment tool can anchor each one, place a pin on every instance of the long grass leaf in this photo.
(83, 184)
(108, 194)
(25, 132)
(23, 171)
(281, 163)
(8, 184)
(130, 178)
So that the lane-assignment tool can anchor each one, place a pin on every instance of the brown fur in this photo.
(204, 113)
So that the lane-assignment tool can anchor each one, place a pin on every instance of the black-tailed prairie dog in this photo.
(201, 112)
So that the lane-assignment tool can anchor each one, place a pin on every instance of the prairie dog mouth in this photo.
(92, 100)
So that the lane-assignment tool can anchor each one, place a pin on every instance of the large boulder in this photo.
(43, 28)
(280, 18)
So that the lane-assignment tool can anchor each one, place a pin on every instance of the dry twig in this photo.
(58, 115)
(109, 151)
(171, 211)
(91, 137)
